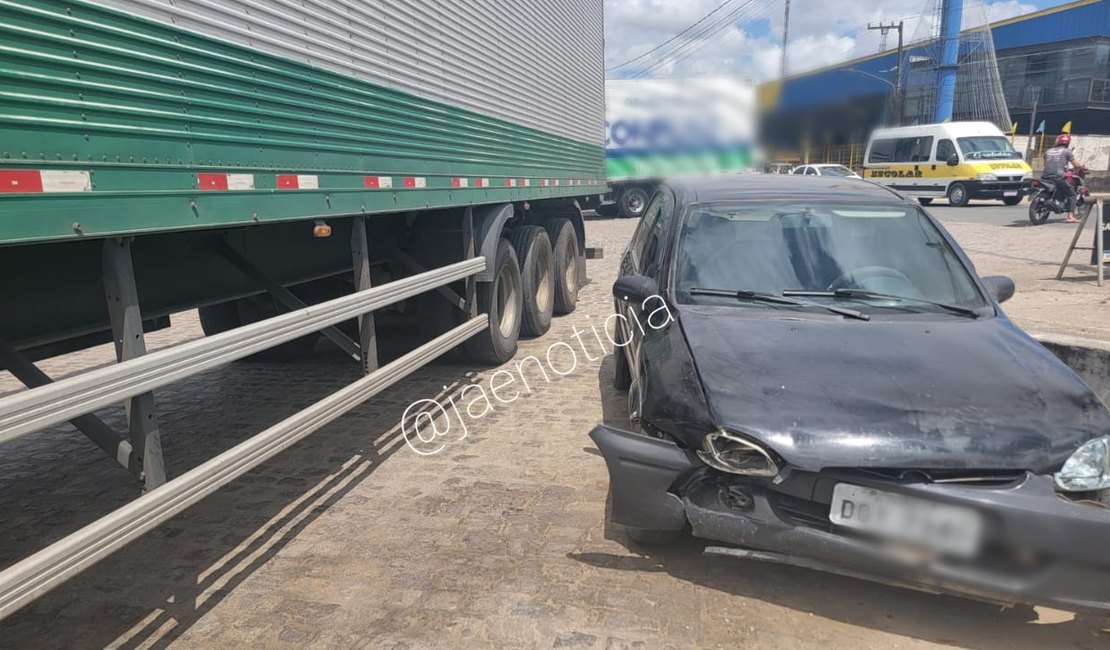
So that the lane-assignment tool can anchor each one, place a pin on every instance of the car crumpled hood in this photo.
(949, 393)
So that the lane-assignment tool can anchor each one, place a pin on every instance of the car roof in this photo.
(826, 165)
(775, 187)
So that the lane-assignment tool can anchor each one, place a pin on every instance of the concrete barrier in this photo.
(1090, 359)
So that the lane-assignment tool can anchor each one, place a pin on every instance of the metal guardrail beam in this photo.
(37, 574)
(31, 410)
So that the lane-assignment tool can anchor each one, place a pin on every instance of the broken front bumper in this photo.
(1039, 549)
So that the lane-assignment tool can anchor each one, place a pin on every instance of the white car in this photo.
(824, 170)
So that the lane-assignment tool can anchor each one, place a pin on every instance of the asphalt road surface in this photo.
(988, 212)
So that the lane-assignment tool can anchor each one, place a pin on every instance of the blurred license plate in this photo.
(938, 527)
(1010, 193)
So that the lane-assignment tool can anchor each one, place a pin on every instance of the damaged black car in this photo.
(817, 377)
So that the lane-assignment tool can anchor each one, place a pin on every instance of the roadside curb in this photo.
(1089, 358)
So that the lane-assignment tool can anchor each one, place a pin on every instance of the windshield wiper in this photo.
(863, 293)
(762, 296)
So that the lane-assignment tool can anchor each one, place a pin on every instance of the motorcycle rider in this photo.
(1056, 160)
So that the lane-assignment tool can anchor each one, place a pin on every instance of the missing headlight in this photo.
(734, 454)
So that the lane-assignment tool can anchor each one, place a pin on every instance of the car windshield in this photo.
(810, 247)
(836, 170)
(987, 147)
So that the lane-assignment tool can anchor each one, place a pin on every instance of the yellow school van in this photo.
(959, 161)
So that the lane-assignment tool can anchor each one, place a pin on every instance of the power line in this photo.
(675, 37)
(690, 47)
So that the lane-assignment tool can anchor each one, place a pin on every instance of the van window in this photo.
(944, 150)
(913, 149)
(881, 151)
(901, 150)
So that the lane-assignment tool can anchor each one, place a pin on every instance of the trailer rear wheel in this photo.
(501, 299)
(537, 278)
(564, 243)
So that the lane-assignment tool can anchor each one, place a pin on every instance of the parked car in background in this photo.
(824, 170)
(817, 377)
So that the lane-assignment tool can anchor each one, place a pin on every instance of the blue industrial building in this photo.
(1058, 58)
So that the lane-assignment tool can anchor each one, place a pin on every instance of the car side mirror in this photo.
(1000, 287)
(635, 288)
(953, 160)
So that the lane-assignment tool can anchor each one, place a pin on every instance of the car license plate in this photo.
(938, 527)
(1010, 193)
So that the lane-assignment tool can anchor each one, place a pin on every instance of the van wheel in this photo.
(957, 195)
(501, 299)
(924, 201)
(537, 278)
(564, 243)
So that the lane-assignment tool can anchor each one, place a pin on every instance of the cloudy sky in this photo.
(748, 42)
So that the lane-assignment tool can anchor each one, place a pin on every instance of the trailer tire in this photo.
(501, 299)
(537, 278)
(564, 244)
(633, 202)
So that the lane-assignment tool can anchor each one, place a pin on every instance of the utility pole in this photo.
(883, 29)
(785, 33)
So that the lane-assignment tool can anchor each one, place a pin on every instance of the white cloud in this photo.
(821, 33)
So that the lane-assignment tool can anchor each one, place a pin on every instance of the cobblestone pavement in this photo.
(350, 539)
(1031, 255)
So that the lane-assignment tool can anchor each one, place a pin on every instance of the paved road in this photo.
(351, 539)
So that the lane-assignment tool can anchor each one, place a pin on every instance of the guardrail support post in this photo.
(468, 253)
(127, 331)
(367, 334)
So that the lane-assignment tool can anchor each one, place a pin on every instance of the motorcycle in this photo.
(1046, 197)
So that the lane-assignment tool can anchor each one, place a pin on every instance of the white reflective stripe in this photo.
(510, 182)
(527, 182)
(54, 180)
(482, 182)
(385, 182)
(461, 182)
(304, 182)
(240, 181)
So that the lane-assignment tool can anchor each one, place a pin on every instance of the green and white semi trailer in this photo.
(293, 169)
(657, 128)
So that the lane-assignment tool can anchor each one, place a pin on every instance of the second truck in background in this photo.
(656, 128)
